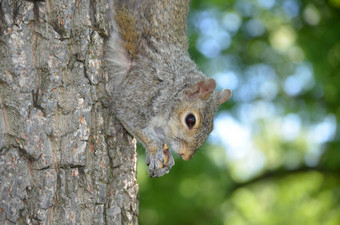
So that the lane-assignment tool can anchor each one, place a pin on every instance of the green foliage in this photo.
(274, 156)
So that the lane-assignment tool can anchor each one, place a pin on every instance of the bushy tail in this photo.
(117, 59)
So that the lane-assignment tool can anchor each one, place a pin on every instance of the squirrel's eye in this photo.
(190, 120)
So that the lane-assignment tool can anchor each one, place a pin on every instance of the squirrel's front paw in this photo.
(159, 162)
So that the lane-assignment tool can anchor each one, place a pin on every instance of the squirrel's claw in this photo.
(160, 163)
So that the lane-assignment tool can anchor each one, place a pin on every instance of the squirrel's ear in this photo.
(223, 96)
(202, 89)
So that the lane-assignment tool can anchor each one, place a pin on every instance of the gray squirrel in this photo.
(159, 94)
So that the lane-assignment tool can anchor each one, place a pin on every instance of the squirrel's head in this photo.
(191, 120)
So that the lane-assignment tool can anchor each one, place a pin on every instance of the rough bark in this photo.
(64, 158)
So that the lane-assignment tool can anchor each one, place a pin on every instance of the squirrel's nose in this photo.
(185, 156)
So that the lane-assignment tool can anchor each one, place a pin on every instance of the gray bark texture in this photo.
(64, 158)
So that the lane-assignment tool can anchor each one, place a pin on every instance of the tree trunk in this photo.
(64, 158)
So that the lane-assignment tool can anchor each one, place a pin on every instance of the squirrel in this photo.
(160, 96)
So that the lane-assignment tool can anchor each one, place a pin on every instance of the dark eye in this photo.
(190, 120)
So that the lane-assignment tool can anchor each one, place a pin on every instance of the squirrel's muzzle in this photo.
(186, 156)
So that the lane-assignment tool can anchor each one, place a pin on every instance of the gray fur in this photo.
(149, 92)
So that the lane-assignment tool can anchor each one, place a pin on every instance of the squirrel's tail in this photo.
(117, 60)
